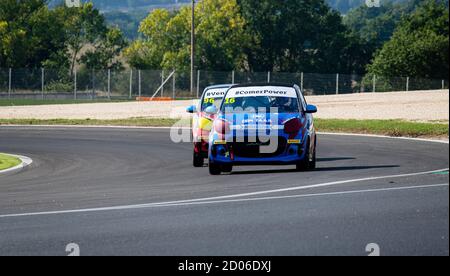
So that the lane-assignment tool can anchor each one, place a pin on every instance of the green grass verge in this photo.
(396, 128)
(144, 122)
(7, 161)
(22, 102)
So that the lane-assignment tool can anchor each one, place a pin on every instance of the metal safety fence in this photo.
(132, 83)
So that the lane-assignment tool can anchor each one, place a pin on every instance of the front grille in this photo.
(253, 149)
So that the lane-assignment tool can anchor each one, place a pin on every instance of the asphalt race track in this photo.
(135, 192)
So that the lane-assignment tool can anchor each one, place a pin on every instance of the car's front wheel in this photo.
(214, 169)
(309, 162)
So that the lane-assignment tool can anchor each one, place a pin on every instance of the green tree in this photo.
(419, 46)
(149, 53)
(30, 34)
(106, 53)
(220, 36)
(48, 39)
(128, 22)
(344, 6)
(84, 26)
(297, 35)
(375, 26)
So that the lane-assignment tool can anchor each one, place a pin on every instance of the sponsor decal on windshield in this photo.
(215, 93)
(268, 91)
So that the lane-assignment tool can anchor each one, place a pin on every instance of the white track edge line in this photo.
(305, 195)
(166, 128)
(141, 206)
(385, 137)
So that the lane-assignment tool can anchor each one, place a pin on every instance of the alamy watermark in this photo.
(73, 250)
(373, 3)
(73, 3)
(259, 127)
(373, 250)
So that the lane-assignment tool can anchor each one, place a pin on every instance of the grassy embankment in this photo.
(7, 161)
(394, 128)
(24, 102)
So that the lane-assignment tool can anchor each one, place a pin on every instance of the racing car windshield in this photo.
(213, 97)
(253, 100)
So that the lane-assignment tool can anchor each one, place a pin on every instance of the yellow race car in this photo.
(202, 122)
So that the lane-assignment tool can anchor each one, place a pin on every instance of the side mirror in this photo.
(191, 109)
(311, 108)
(211, 110)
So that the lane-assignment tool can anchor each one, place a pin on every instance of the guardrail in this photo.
(132, 83)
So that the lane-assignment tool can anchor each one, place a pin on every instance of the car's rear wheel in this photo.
(214, 169)
(309, 162)
(198, 160)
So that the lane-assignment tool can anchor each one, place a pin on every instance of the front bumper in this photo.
(229, 153)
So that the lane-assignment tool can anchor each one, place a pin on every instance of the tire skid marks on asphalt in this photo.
(229, 197)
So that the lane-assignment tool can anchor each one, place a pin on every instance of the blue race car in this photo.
(262, 124)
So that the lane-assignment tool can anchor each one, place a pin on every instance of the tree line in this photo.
(32, 35)
(407, 38)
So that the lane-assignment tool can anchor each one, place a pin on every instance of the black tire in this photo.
(313, 162)
(309, 163)
(198, 160)
(214, 169)
(227, 168)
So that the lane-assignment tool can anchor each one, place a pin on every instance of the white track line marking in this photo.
(305, 195)
(141, 206)
(386, 137)
(166, 128)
